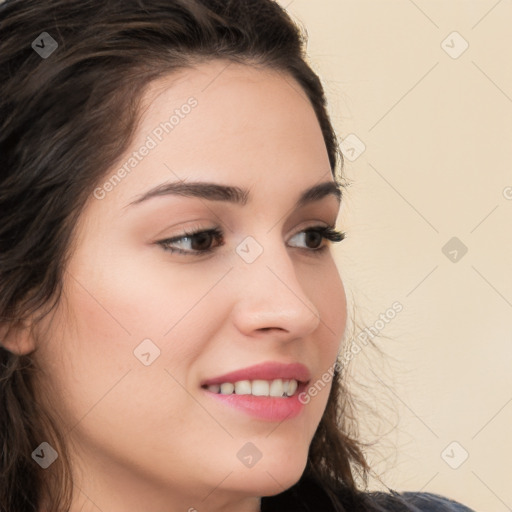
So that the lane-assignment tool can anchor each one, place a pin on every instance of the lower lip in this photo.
(267, 408)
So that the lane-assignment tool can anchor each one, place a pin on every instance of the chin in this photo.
(274, 477)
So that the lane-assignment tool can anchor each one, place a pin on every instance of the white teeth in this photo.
(274, 388)
(214, 388)
(260, 387)
(292, 387)
(227, 388)
(243, 387)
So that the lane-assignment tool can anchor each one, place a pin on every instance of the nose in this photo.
(271, 296)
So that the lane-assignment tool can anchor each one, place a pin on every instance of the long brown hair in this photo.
(53, 110)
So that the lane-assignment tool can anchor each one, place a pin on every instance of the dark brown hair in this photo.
(86, 95)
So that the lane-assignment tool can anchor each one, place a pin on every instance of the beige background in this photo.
(436, 123)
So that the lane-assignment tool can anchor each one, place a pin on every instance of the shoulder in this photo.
(430, 502)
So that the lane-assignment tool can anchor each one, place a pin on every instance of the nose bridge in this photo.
(271, 293)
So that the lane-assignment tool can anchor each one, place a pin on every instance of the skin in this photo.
(146, 438)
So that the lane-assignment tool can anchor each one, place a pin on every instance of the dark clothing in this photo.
(428, 502)
(308, 496)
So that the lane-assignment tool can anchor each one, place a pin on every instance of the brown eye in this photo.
(314, 235)
(318, 233)
(200, 242)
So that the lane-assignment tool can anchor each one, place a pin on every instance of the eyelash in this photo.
(327, 232)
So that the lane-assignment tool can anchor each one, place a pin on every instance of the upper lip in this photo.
(264, 371)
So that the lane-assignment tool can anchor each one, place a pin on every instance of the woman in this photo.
(166, 317)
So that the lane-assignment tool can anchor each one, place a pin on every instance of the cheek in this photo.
(331, 302)
(85, 353)
(97, 385)
(328, 294)
(112, 304)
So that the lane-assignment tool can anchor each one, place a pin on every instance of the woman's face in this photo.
(141, 328)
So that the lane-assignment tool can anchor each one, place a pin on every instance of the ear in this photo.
(17, 338)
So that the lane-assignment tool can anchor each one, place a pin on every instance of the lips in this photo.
(264, 371)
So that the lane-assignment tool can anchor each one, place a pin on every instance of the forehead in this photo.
(231, 123)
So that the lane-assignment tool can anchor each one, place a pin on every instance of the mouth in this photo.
(275, 388)
(267, 379)
(268, 391)
(269, 401)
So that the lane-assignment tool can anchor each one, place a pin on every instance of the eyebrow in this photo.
(233, 194)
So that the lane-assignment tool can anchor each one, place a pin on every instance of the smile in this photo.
(274, 388)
